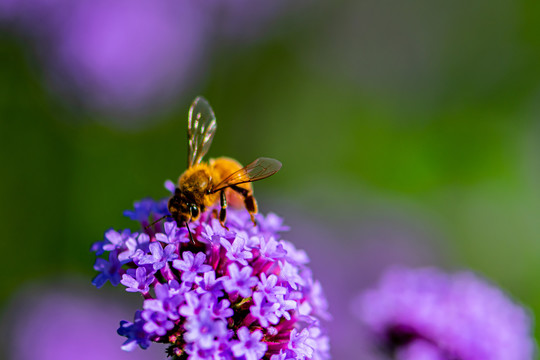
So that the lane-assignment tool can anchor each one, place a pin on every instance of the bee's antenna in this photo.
(158, 220)
(190, 235)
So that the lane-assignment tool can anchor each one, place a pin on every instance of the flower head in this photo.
(236, 293)
(427, 314)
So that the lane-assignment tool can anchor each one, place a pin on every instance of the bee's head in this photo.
(182, 208)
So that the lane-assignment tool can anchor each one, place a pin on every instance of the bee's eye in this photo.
(194, 210)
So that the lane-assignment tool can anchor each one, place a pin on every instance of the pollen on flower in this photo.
(236, 293)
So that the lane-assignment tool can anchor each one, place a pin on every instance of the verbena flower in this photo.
(236, 293)
(427, 314)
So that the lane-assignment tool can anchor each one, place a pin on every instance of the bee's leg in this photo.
(223, 211)
(158, 220)
(249, 201)
(189, 232)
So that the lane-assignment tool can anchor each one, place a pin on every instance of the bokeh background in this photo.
(409, 134)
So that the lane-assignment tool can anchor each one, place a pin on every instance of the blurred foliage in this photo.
(457, 137)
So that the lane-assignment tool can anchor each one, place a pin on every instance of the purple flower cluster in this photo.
(427, 314)
(236, 293)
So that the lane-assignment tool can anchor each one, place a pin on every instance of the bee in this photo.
(222, 180)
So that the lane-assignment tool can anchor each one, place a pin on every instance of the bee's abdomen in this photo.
(223, 167)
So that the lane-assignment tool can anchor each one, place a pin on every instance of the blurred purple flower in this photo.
(419, 350)
(128, 59)
(124, 58)
(426, 313)
(65, 322)
(128, 55)
(355, 246)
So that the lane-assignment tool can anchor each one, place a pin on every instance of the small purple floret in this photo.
(156, 317)
(237, 251)
(137, 280)
(207, 283)
(302, 344)
(172, 234)
(134, 333)
(141, 210)
(240, 281)
(191, 265)
(169, 298)
(204, 330)
(265, 311)
(110, 270)
(249, 344)
(159, 256)
(136, 247)
(213, 233)
(267, 286)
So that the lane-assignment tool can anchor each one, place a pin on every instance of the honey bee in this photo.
(203, 184)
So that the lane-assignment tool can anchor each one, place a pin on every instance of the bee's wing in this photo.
(201, 129)
(257, 170)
